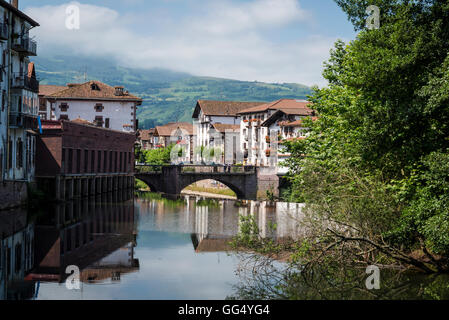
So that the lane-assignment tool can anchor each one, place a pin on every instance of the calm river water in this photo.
(126, 247)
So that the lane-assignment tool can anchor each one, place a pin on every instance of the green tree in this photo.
(375, 159)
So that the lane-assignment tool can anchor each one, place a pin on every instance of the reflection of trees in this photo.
(262, 277)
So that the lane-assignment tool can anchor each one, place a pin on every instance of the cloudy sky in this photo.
(263, 40)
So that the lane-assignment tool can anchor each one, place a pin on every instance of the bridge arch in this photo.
(239, 193)
(149, 182)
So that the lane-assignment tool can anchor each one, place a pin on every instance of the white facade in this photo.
(19, 100)
(206, 136)
(115, 115)
(254, 142)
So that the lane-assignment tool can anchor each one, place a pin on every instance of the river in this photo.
(139, 247)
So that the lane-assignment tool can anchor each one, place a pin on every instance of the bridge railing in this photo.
(217, 169)
(148, 168)
(205, 169)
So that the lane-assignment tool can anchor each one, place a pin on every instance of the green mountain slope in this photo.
(168, 95)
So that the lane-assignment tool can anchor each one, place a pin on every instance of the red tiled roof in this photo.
(222, 108)
(47, 89)
(145, 135)
(83, 121)
(282, 104)
(86, 91)
(226, 127)
(170, 128)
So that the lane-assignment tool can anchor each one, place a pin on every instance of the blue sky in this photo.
(263, 40)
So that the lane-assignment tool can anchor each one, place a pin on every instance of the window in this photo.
(92, 162)
(64, 117)
(63, 160)
(64, 107)
(77, 236)
(99, 162)
(105, 161)
(98, 107)
(19, 154)
(95, 86)
(8, 261)
(18, 257)
(10, 154)
(69, 240)
(98, 121)
(78, 161)
(86, 160)
(3, 100)
(106, 123)
(70, 165)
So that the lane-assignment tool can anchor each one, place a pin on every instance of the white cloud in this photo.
(228, 41)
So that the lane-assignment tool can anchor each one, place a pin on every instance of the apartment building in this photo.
(19, 103)
(209, 113)
(94, 101)
(47, 90)
(145, 138)
(255, 131)
(176, 133)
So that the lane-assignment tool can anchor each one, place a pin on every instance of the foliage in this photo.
(374, 170)
(158, 156)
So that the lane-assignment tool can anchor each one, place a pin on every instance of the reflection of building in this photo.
(97, 236)
(215, 226)
(16, 255)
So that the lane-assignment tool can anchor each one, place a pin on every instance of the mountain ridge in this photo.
(167, 95)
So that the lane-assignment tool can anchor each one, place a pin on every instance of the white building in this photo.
(287, 124)
(19, 102)
(208, 113)
(179, 134)
(94, 101)
(255, 132)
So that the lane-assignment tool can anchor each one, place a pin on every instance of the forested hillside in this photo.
(168, 95)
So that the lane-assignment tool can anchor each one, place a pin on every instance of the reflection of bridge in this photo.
(249, 183)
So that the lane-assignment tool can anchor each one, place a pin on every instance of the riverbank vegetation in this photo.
(374, 172)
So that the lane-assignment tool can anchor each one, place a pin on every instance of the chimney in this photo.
(15, 4)
(119, 91)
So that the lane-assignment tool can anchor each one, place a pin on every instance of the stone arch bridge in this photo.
(248, 182)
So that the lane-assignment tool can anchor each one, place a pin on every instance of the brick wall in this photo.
(84, 149)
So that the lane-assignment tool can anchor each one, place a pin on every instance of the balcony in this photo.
(3, 31)
(22, 81)
(26, 46)
(22, 120)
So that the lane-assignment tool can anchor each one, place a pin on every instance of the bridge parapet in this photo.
(246, 181)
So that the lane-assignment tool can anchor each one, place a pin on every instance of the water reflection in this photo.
(16, 255)
(213, 223)
(150, 247)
